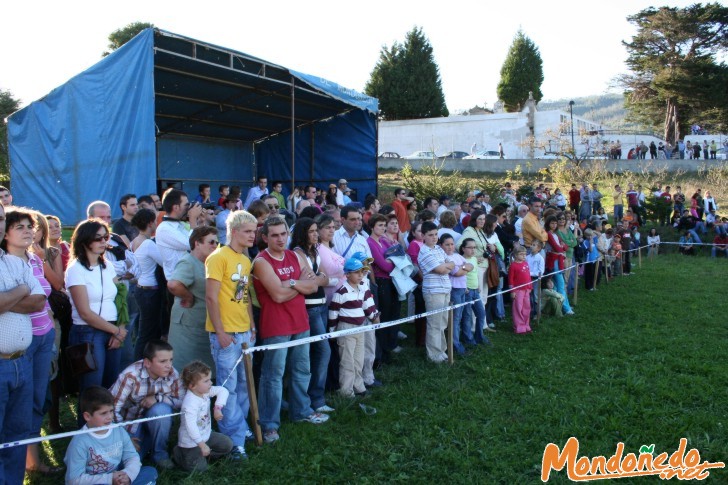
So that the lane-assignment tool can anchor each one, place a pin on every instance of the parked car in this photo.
(455, 155)
(483, 155)
(389, 155)
(721, 153)
(420, 154)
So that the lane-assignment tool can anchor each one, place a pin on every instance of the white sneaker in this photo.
(315, 418)
(401, 335)
(397, 349)
(325, 409)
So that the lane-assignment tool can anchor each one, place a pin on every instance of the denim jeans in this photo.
(40, 354)
(457, 296)
(618, 212)
(233, 423)
(478, 310)
(150, 318)
(320, 353)
(154, 435)
(271, 382)
(108, 362)
(16, 394)
(500, 309)
(147, 475)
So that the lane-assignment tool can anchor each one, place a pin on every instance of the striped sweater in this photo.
(352, 306)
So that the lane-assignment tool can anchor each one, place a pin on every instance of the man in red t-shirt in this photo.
(281, 279)
(574, 198)
(400, 204)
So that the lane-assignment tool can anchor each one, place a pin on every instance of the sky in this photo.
(44, 43)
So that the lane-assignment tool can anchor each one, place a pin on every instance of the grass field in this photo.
(643, 361)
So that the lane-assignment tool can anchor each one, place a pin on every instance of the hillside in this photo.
(607, 109)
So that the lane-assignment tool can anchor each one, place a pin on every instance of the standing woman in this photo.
(19, 235)
(494, 247)
(304, 242)
(568, 238)
(475, 232)
(556, 259)
(92, 287)
(415, 239)
(388, 297)
(187, 333)
(55, 239)
(148, 293)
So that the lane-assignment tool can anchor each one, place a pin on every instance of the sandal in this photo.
(44, 469)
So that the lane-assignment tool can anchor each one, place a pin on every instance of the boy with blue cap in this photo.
(351, 306)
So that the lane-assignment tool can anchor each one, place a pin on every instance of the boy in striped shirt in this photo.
(351, 306)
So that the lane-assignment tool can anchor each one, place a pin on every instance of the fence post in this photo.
(576, 283)
(596, 273)
(450, 352)
(538, 302)
(254, 416)
(639, 256)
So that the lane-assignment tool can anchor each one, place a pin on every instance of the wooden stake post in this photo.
(450, 352)
(254, 416)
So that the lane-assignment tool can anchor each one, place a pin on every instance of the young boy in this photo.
(351, 306)
(148, 388)
(106, 456)
(196, 440)
(536, 265)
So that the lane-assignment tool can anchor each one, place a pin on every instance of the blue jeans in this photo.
(16, 393)
(618, 212)
(320, 353)
(233, 423)
(479, 311)
(560, 287)
(500, 309)
(40, 354)
(695, 234)
(147, 475)
(154, 435)
(457, 295)
(150, 318)
(108, 362)
(270, 391)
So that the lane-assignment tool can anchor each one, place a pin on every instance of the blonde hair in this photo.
(236, 219)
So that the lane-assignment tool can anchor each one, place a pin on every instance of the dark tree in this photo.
(407, 81)
(8, 105)
(522, 72)
(675, 77)
(121, 36)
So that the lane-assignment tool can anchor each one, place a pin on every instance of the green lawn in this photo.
(643, 361)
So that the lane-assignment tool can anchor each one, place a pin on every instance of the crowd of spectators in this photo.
(159, 305)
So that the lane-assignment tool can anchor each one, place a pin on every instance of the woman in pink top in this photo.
(415, 240)
(19, 236)
(331, 263)
(388, 298)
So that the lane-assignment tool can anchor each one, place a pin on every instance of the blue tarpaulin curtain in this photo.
(92, 138)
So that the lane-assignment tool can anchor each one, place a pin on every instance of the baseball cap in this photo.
(352, 265)
(342, 181)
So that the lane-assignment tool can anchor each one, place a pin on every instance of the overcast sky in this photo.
(44, 43)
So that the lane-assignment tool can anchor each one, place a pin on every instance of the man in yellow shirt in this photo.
(229, 321)
(618, 196)
(531, 227)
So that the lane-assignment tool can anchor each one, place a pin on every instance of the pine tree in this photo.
(522, 72)
(407, 81)
(676, 79)
(121, 36)
(8, 105)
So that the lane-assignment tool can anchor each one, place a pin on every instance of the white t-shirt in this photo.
(77, 275)
(196, 424)
(173, 240)
(148, 257)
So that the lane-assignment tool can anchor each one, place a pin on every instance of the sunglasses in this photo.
(272, 207)
(101, 238)
(213, 242)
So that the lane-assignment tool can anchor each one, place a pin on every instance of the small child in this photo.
(537, 266)
(616, 252)
(106, 456)
(196, 440)
(552, 301)
(472, 294)
(458, 282)
(519, 274)
(351, 306)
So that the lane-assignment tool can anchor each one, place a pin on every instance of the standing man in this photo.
(679, 199)
(230, 321)
(20, 295)
(574, 199)
(122, 226)
(256, 192)
(343, 186)
(596, 199)
(400, 204)
(310, 195)
(432, 204)
(618, 197)
(585, 196)
(157, 202)
(281, 280)
(173, 234)
(278, 193)
(531, 227)
(633, 202)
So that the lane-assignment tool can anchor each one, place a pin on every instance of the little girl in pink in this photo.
(519, 274)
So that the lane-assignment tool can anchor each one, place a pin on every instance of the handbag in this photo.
(81, 358)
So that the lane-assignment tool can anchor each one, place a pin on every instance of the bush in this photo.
(430, 181)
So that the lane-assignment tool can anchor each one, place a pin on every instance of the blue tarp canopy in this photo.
(167, 109)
